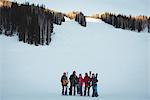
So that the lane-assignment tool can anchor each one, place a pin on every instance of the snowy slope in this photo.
(119, 56)
(89, 7)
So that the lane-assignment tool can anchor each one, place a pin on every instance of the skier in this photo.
(73, 82)
(80, 82)
(64, 82)
(86, 79)
(94, 85)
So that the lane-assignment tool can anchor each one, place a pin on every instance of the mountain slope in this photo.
(119, 56)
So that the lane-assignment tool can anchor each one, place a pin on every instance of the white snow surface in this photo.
(119, 56)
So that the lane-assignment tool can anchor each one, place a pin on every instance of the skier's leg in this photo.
(81, 90)
(88, 90)
(93, 91)
(96, 92)
(78, 89)
(74, 90)
(70, 89)
(85, 90)
(62, 90)
(65, 90)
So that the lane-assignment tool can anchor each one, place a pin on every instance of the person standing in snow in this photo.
(80, 82)
(94, 85)
(86, 79)
(64, 82)
(73, 83)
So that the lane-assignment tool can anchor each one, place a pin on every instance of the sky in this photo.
(135, 7)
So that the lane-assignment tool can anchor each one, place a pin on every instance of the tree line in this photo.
(137, 23)
(32, 23)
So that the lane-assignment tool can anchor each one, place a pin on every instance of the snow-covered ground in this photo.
(119, 56)
(58, 97)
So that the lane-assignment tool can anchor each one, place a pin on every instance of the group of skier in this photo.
(78, 83)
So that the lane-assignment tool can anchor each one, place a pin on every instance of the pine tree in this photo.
(26, 20)
(149, 24)
(81, 19)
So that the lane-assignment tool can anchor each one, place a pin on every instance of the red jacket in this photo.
(86, 79)
(80, 80)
